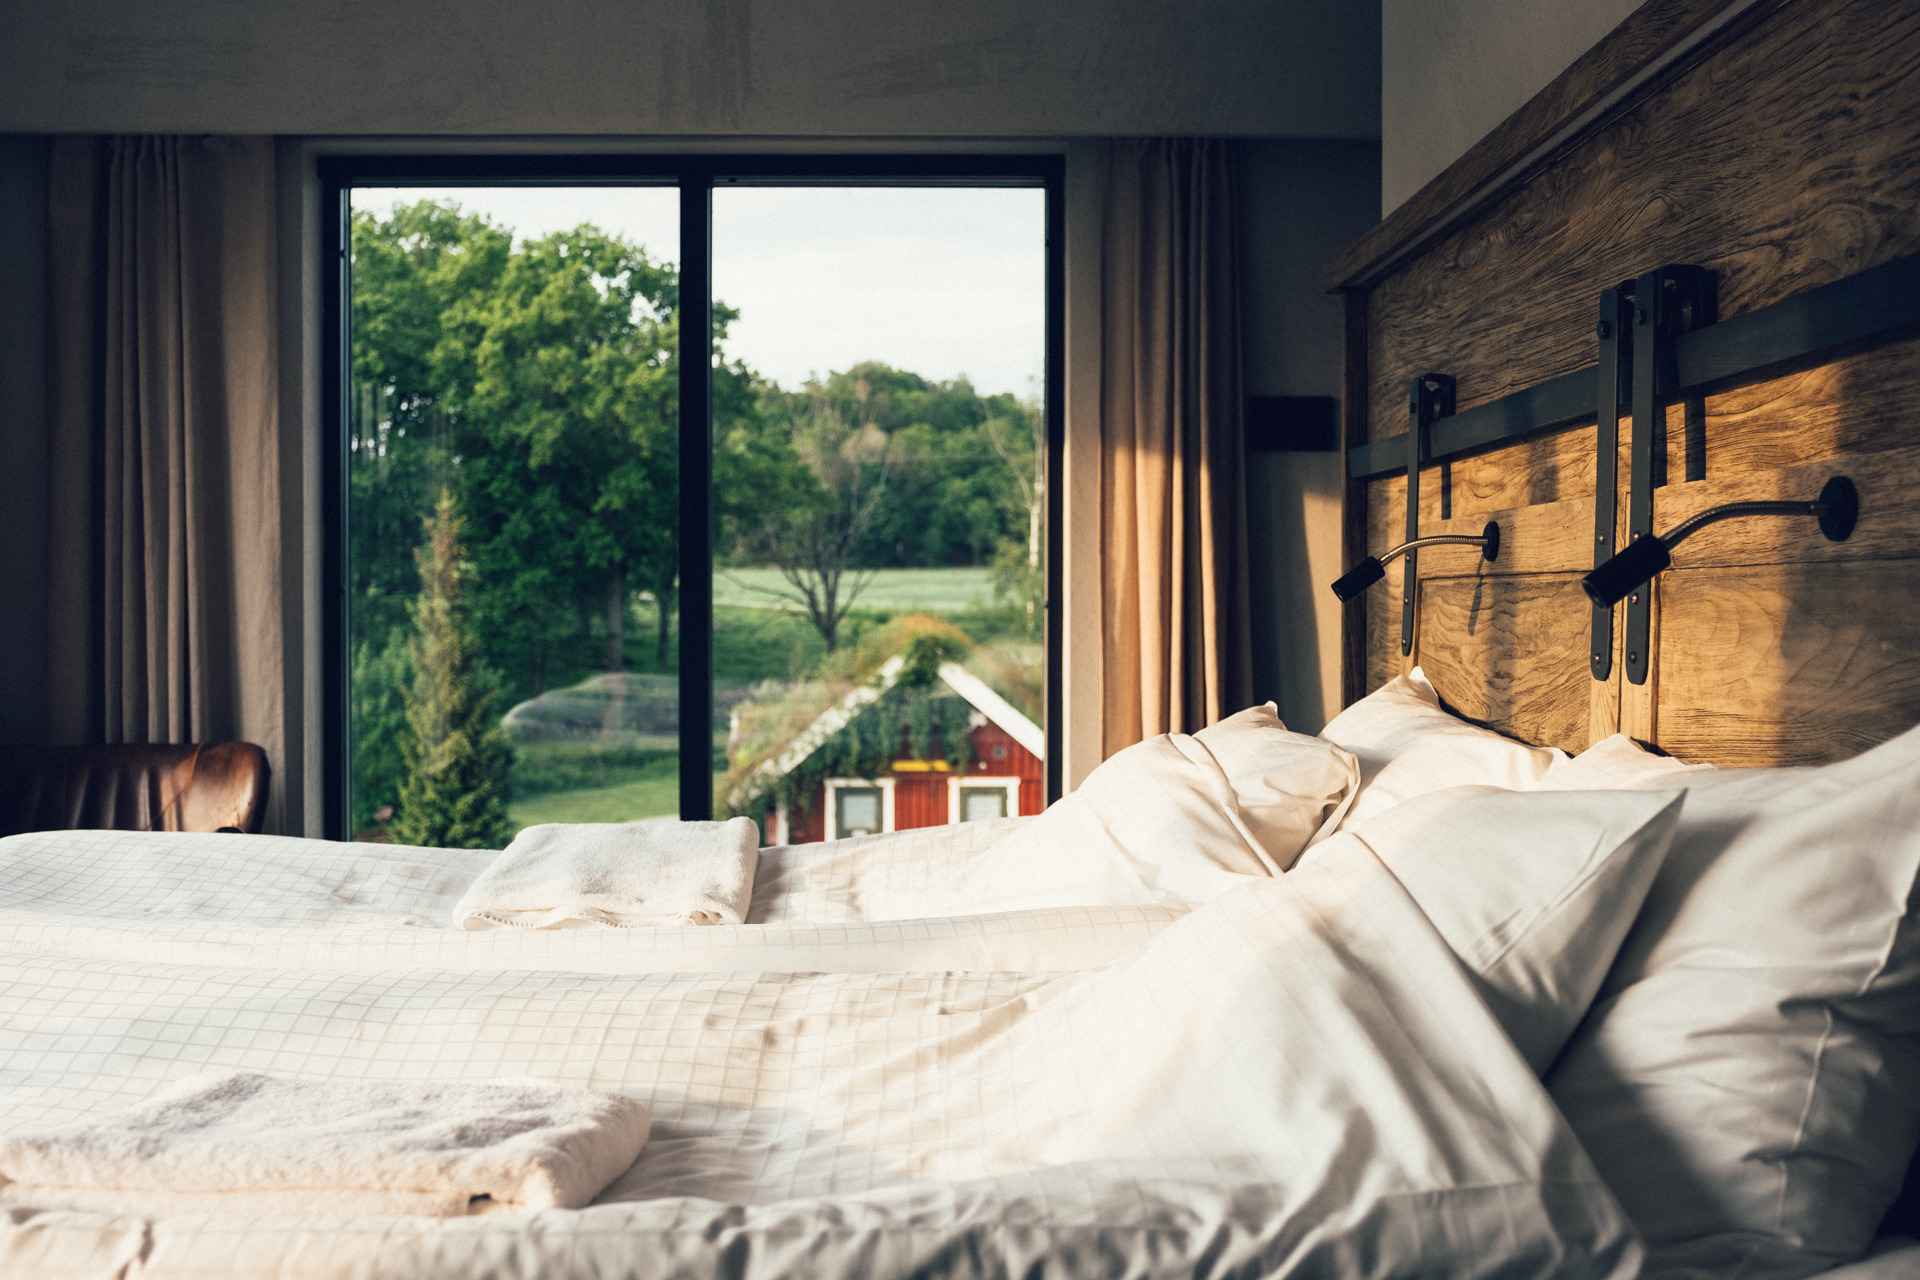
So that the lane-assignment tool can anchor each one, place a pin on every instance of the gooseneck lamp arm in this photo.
(1837, 508)
(1373, 568)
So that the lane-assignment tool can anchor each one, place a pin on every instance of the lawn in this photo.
(757, 636)
(576, 782)
(967, 589)
(644, 791)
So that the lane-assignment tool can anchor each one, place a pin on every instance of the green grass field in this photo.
(635, 790)
(757, 636)
(585, 782)
(956, 590)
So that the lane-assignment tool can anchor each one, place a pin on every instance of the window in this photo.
(511, 506)
(978, 799)
(641, 454)
(859, 807)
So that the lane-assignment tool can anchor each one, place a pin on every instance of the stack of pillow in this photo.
(1723, 996)
(1747, 1078)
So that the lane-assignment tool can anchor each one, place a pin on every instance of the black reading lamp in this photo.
(1837, 508)
(1373, 568)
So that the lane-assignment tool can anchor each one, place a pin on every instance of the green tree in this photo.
(841, 479)
(412, 271)
(455, 759)
(960, 464)
(540, 381)
(569, 452)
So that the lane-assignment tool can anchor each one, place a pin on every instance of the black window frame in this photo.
(695, 176)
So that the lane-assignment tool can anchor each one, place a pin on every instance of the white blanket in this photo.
(1293, 1079)
(245, 1141)
(280, 902)
(652, 872)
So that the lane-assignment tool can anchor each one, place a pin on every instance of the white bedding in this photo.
(1295, 1077)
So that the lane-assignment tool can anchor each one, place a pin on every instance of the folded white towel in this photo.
(655, 872)
(260, 1142)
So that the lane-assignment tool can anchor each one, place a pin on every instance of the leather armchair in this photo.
(218, 786)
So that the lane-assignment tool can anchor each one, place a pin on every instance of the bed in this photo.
(1414, 1044)
(1339, 1070)
(850, 1098)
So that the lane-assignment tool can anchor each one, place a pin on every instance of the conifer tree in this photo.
(454, 789)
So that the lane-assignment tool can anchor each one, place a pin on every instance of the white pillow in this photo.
(1532, 890)
(1408, 745)
(1749, 1080)
(1173, 820)
(1290, 788)
(1617, 762)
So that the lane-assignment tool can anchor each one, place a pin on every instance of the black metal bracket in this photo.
(1428, 399)
(1615, 380)
(1878, 305)
(1668, 302)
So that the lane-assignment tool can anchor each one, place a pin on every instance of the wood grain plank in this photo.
(1550, 481)
(1889, 528)
(1786, 664)
(1510, 652)
(1788, 159)
(1601, 82)
(1551, 537)
(1605, 709)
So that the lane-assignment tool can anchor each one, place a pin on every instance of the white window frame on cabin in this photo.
(832, 823)
(985, 782)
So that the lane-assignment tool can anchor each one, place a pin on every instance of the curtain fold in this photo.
(168, 621)
(1174, 582)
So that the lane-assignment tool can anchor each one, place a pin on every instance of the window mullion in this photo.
(696, 494)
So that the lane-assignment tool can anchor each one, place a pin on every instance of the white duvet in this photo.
(1294, 1078)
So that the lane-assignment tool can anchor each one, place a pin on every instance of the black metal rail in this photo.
(1874, 306)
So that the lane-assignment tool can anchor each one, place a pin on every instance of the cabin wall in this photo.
(1786, 158)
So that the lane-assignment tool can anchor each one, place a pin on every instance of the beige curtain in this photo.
(166, 617)
(1172, 511)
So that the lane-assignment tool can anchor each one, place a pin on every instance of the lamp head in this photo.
(1359, 578)
(1614, 580)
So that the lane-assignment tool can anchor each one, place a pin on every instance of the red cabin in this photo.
(1005, 776)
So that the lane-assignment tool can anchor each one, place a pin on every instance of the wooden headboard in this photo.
(1777, 145)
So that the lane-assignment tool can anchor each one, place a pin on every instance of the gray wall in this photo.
(1453, 69)
(1302, 203)
(774, 68)
(23, 443)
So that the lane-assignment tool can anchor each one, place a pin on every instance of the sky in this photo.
(943, 281)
